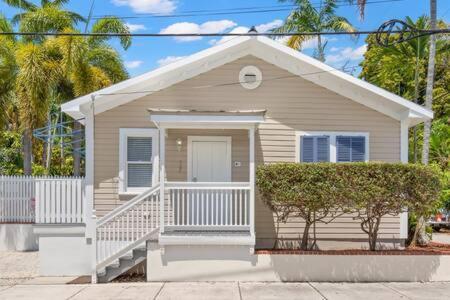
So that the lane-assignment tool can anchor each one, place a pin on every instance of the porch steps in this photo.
(122, 265)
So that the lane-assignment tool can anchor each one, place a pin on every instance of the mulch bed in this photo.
(432, 249)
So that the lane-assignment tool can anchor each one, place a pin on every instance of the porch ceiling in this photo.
(185, 118)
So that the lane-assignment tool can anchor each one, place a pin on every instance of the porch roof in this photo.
(199, 118)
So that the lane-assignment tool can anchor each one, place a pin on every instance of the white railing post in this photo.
(94, 249)
(162, 175)
(251, 135)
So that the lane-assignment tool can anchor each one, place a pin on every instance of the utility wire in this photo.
(218, 34)
(231, 11)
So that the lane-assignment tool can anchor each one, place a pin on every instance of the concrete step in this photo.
(122, 265)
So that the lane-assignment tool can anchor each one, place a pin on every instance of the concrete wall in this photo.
(17, 237)
(235, 263)
(63, 250)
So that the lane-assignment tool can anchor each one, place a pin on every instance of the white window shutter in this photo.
(307, 149)
(139, 162)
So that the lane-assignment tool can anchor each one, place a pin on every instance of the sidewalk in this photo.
(229, 291)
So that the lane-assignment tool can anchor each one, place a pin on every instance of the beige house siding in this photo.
(292, 104)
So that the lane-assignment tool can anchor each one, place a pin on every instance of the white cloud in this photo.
(135, 27)
(168, 60)
(133, 64)
(207, 27)
(261, 28)
(347, 54)
(148, 6)
(268, 26)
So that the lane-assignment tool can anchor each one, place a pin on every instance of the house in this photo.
(171, 158)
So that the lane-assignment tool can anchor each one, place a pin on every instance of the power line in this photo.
(218, 34)
(230, 11)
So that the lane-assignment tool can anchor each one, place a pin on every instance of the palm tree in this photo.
(91, 64)
(50, 16)
(8, 71)
(87, 64)
(307, 18)
(38, 72)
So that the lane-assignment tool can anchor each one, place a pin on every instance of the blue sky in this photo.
(148, 53)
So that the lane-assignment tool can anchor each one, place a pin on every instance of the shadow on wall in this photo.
(358, 268)
(17, 237)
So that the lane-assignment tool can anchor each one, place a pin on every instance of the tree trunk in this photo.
(76, 145)
(430, 83)
(305, 237)
(27, 152)
(320, 52)
(416, 99)
(373, 234)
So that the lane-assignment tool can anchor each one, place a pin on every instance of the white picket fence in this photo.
(47, 200)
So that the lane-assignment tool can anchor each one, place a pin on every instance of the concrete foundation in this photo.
(235, 263)
(17, 237)
(63, 250)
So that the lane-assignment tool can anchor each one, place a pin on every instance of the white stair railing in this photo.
(127, 226)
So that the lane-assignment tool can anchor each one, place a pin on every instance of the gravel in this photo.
(16, 267)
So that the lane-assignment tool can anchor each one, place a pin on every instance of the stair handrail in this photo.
(130, 203)
(140, 216)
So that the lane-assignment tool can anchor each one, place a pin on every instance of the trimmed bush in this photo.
(319, 192)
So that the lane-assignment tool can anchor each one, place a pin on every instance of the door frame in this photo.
(193, 138)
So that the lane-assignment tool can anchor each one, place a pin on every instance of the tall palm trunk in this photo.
(27, 151)
(420, 236)
(430, 82)
(320, 49)
(416, 99)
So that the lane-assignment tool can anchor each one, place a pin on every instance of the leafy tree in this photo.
(318, 192)
(308, 191)
(306, 18)
(82, 65)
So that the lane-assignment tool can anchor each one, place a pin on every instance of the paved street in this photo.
(228, 291)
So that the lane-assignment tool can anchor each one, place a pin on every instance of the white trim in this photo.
(136, 132)
(332, 135)
(251, 141)
(192, 138)
(226, 119)
(404, 141)
(268, 50)
(250, 70)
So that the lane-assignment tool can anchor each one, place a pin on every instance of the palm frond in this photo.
(111, 25)
(21, 4)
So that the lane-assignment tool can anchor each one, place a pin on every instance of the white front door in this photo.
(210, 159)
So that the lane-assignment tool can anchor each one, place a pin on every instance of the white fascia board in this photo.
(206, 119)
(163, 77)
(335, 80)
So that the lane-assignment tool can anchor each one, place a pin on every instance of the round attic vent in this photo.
(250, 77)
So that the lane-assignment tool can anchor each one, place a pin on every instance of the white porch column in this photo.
(404, 141)
(251, 138)
(89, 212)
(162, 175)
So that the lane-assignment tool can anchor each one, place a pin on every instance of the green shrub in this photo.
(319, 192)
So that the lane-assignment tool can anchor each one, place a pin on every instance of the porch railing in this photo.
(197, 205)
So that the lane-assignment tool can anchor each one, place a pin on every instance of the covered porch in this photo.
(206, 176)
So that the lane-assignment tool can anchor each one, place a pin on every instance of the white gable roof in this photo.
(265, 49)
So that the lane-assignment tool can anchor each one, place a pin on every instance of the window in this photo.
(138, 149)
(315, 148)
(332, 146)
(350, 148)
